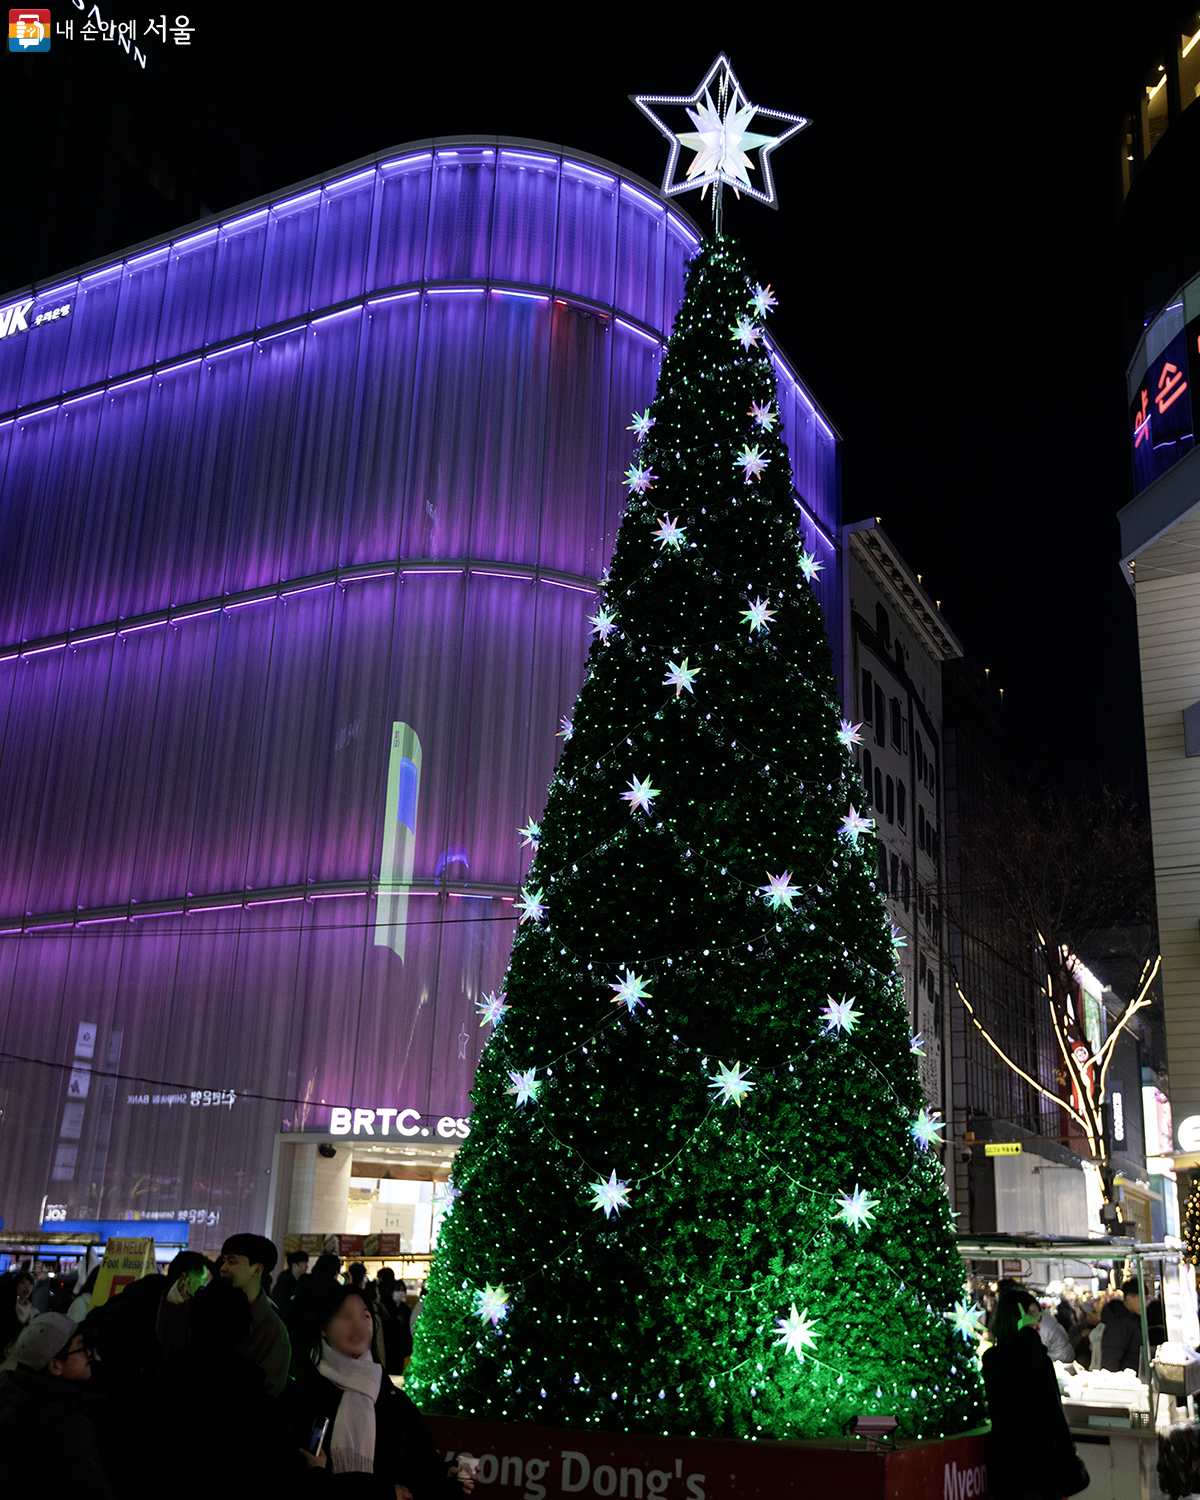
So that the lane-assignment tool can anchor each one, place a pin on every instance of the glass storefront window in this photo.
(1154, 108)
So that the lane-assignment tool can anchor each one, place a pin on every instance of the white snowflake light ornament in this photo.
(680, 676)
(640, 795)
(641, 424)
(779, 891)
(752, 462)
(745, 332)
(730, 1085)
(856, 1209)
(764, 416)
(525, 1086)
(639, 478)
(492, 1009)
(631, 991)
(491, 1305)
(531, 906)
(796, 1333)
(669, 533)
(612, 1196)
(839, 1015)
(848, 734)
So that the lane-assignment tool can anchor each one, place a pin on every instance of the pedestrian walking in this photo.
(1030, 1454)
(285, 1287)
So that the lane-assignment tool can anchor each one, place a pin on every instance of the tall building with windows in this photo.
(303, 511)
(898, 646)
(1159, 151)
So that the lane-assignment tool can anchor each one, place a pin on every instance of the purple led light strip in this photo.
(289, 588)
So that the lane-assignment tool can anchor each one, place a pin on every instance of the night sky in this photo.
(943, 253)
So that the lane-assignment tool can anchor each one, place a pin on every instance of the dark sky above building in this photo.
(943, 253)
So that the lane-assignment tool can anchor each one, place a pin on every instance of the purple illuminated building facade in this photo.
(301, 518)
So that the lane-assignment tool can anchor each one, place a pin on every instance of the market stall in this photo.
(1115, 1417)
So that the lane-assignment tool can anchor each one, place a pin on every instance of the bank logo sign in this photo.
(19, 317)
(29, 31)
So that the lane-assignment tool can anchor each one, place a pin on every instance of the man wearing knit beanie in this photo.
(47, 1443)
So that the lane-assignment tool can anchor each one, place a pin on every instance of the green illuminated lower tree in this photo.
(701, 1194)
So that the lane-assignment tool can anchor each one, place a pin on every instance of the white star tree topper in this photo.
(722, 139)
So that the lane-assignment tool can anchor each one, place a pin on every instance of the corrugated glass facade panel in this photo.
(301, 520)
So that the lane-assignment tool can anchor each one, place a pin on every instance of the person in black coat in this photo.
(211, 1410)
(1121, 1348)
(1030, 1455)
(299, 1315)
(375, 1439)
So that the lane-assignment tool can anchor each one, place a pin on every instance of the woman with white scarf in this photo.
(375, 1445)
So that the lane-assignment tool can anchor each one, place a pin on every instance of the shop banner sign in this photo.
(124, 1261)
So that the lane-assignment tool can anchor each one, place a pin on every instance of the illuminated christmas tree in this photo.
(699, 1194)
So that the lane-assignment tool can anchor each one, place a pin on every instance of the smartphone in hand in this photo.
(316, 1440)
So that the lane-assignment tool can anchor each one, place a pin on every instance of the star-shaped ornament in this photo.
(752, 462)
(757, 616)
(745, 333)
(640, 795)
(857, 1208)
(839, 1015)
(631, 991)
(853, 824)
(603, 622)
(916, 1045)
(763, 300)
(680, 676)
(492, 1009)
(848, 734)
(730, 1085)
(796, 1332)
(530, 834)
(567, 730)
(764, 416)
(612, 1196)
(531, 906)
(779, 891)
(525, 1086)
(809, 566)
(722, 138)
(967, 1319)
(639, 478)
(898, 939)
(925, 1131)
(491, 1304)
(669, 533)
(641, 425)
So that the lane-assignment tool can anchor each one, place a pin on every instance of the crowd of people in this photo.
(1101, 1333)
(214, 1379)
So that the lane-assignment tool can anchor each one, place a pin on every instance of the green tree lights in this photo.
(698, 1195)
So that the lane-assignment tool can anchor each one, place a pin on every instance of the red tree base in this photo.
(546, 1463)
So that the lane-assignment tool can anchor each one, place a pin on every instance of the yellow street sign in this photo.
(1002, 1148)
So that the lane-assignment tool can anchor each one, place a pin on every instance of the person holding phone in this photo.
(357, 1433)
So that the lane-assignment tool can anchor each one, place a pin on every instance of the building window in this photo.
(880, 717)
(920, 825)
(883, 858)
(878, 789)
(901, 800)
(1189, 62)
(895, 885)
(921, 969)
(891, 800)
(1154, 107)
(867, 775)
(905, 884)
(867, 708)
(883, 628)
(897, 725)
